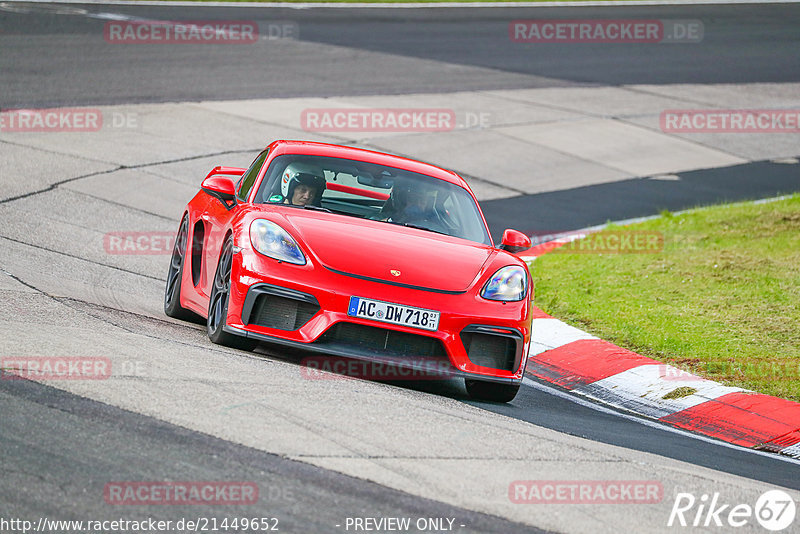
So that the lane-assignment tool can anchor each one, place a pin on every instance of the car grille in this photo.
(486, 350)
(282, 313)
(384, 341)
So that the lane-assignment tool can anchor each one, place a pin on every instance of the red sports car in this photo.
(357, 254)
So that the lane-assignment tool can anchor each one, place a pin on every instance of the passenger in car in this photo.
(302, 185)
(408, 204)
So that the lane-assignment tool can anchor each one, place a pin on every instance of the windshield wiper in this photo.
(418, 227)
(316, 208)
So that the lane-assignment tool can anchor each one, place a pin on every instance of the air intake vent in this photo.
(281, 312)
(489, 350)
(383, 341)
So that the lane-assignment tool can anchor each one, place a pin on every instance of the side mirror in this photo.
(514, 241)
(218, 185)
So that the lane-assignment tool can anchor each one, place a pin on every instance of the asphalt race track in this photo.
(372, 51)
(178, 408)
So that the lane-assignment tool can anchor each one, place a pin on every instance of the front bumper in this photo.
(305, 307)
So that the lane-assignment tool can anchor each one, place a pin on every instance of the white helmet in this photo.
(302, 173)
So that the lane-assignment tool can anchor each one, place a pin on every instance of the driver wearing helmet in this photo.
(302, 184)
(411, 204)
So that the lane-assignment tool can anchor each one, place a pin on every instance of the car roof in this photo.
(360, 154)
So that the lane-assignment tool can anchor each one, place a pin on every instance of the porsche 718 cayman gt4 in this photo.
(353, 253)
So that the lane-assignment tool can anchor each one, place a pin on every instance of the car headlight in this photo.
(271, 240)
(507, 284)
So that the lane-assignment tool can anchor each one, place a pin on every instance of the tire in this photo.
(218, 304)
(172, 290)
(491, 391)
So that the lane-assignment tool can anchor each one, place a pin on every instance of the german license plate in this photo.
(393, 313)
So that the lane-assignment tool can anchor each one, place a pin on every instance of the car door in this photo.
(216, 217)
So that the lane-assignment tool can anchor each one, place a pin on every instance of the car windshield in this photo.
(371, 191)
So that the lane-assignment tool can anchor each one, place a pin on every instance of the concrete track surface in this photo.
(178, 408)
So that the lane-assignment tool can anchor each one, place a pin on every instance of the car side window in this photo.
(249, 177)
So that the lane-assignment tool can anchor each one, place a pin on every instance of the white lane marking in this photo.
(793, 450)
(412, 5)
(642, 389)
(653, 424)
(13, 7)
(548, 334)
(560, 238)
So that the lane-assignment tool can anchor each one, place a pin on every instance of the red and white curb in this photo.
(588, 366)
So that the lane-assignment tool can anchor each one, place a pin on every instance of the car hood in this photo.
(376, 250)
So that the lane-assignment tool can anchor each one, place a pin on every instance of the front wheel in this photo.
(218, 304)
(172, 291)
(491, 391)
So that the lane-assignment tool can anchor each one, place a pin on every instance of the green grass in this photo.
(721, 300)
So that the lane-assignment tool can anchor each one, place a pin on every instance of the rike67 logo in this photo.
(774, 510)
